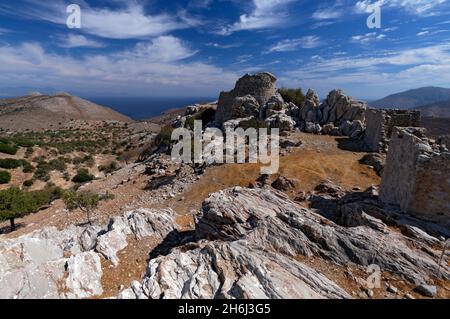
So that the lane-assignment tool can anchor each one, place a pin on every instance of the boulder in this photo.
(310, 127)
(281, 121)
(274, 105)
(375, 160)
(283, 184)
(88, 238)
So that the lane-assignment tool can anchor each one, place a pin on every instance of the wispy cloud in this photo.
(129, 21)
(377, 73)
(368, 37)
(162, 66)
(264, 14)
(417, 7)
(78, 41)
(223, 46)
(307, 42)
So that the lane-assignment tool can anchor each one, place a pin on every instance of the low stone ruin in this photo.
(380, 124)
(416, 176)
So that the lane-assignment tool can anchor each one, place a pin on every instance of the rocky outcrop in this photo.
(260, 87)
(249, 240)
(338, 108)
(67, 264)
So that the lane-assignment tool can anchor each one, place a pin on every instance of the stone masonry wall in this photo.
(416, 176)
(381, 122)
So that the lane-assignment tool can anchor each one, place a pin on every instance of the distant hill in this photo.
(37, 112)
(413, 98)
(439, 109)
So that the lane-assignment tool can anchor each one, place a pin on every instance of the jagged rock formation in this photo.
(255, 96)
(249, 240)
(66, 264)
(415, 175)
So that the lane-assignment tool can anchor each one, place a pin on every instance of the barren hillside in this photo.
(40, 112)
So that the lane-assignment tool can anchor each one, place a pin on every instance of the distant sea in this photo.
(140, 108)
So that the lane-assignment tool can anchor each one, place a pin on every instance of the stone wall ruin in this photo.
(416, 176)
(380, 124)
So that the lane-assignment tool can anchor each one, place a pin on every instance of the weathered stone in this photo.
(84, 275)
(380, 124)
(310, 127)
(281, 121)
(260, 86)
(338, 108)
(376, 160)
(416, 186)
(426, 290)
(272, 221)
(88, 238)
(283, 184)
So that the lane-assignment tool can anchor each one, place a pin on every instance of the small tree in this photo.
(5, 177)
(16, 203)
(292, 96)
(85, 201)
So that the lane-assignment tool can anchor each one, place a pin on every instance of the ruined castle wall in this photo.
(375, 125)
(261, 86)
(399, 173)
(431, 196)
(416, 177)
(380, 125)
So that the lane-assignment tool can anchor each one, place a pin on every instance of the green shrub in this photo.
(8, 149)
(85, 201)
(82, 176)
(109, 168)
(10, 163)
(164, 138)
(28, 168)
(58, 165)
(292, 96)
(5, 177)
(252, 123)
(28, 183)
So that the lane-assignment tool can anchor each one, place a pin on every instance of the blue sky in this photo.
(199, 47)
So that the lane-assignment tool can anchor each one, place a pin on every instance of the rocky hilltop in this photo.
(361, 198)
(40, 112)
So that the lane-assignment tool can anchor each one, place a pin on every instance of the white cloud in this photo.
(77, 41)
(265, 14)
(327, 13)
(376, 74)
(156, 68)
(417, 7)
(368, 37)
(223, 46)
(129, 21)
(307, 42)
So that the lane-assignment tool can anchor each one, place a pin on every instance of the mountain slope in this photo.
(414, 98)
(40, 112)
(439, 109)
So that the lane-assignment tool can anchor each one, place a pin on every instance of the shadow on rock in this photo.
(172, 240)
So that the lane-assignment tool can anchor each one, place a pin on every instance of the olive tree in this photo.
(16, 203)
(85, 201)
